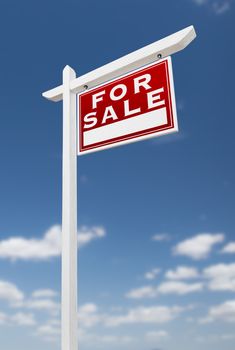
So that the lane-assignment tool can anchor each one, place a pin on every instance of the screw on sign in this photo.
(138, 105)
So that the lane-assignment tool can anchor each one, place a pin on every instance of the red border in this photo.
(170, 120)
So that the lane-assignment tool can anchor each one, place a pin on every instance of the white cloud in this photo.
(88, 308)
(142, 292)
(36, 249)
(198, 247)
(221, 277)
(161, 237)
(10, 293)
(105, 339)
(49, 246)
(89, 316)
(180, 288)
(112, 339)
(151, 275)
(169, 287)
(95, 340)
(44, 293)
(88, 234)
(182, 273)
(229, 248)
(215, 338)
(23, 319)
(44, 304)
(18, 319)
(16, 298)
(151, 314)
(155, 336)
(50, 331)
(224, 312)
(217, 6)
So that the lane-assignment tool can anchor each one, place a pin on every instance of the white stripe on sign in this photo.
(125, 127)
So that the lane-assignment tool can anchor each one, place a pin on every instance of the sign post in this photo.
(137, 107)
(69, 217)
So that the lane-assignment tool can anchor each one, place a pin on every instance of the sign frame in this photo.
(128, 140)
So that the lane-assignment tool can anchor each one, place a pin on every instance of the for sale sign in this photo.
(133, 107)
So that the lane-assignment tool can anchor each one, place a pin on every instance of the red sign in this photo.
(136, 106)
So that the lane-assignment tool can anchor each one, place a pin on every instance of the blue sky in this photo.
(156, 218)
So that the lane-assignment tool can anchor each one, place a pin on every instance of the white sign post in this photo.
(67, 92)
(69, 216)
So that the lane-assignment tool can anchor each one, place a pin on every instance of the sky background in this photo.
(156, 218)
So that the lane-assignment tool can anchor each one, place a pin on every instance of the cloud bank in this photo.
(49, 246)
(198, 247)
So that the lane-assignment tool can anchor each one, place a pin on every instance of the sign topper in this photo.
(136, 106)
(104, 108)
